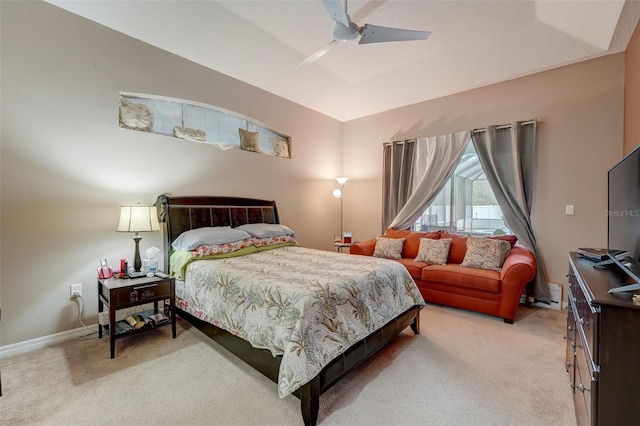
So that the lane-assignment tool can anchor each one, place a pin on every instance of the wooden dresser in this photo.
(603, 346)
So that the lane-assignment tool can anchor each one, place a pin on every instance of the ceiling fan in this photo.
(345, 30)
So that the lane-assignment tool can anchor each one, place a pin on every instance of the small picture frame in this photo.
(337, 238)
(346, 237)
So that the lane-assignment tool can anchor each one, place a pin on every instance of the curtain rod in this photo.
(500, 127)
(508, 126)
(400, 142)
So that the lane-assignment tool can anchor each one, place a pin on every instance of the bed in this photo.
(303, 340)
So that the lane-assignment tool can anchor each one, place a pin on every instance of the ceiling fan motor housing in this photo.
(343, 33)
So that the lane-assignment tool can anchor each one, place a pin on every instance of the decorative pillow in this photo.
(272, 242)
(266, 230)
(193, 238)
(280, 147)
(485, 253)
(390, 248)
(210, 249)
(135, 116)
(189, 134)
(411, 240)
(249, 141)
(433, 251)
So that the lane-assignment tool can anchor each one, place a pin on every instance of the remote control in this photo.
(161, 274)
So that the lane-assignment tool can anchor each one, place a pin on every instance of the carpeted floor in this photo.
(463, 369)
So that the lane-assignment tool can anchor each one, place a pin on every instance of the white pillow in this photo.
(266, 230)
(193, 238)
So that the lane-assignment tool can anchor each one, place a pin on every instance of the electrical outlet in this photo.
(75, 290)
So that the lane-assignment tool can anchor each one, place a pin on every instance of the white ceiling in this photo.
(473, 43)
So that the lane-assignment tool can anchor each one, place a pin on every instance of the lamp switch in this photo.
(568, 210)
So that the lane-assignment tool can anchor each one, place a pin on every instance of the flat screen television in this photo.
(623, 218)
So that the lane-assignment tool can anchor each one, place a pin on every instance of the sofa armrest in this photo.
(365, 248)
(519, 268)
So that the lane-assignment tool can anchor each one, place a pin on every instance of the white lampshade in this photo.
(342, 180)
(337, 193)
(138, 219)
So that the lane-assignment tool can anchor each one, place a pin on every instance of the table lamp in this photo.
(138, 219)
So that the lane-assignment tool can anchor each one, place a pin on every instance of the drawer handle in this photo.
(582, 389)
(145, 286)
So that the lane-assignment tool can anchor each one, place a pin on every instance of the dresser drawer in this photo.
(571, 345)
(586, 317)
(584, 393)
(140, 292)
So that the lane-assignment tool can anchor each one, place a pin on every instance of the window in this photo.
(466, 203)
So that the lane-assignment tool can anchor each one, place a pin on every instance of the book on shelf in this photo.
(123, 327)
(137, 321)
(158, 318)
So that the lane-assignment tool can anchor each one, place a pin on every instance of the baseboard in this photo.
(555, 290)
(41, 342)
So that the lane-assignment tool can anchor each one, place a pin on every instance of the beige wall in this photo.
(66, 166)
(580, 136)
(632, 92)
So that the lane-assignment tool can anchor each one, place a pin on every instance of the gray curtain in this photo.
(434, 161)
(396, 184)
(506, 154)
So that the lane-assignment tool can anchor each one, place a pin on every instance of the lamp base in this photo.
(137, 261)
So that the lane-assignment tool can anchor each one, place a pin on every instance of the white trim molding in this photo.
(41, 342)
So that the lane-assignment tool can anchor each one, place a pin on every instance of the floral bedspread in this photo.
(307, 305)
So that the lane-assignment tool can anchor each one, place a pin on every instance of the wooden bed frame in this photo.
(180, 214)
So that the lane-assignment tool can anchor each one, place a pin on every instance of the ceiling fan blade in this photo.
(316, 55)
(337, 11)
(376, 34)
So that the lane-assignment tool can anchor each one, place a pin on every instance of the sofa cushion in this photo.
(412, 240)
(414, 267)
(459, 276)
(512, 239)
(485, 253)
(433, 251)
(390, 248)
(458, 247)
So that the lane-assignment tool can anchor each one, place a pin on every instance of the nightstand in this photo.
(340, 246)
(126, 293)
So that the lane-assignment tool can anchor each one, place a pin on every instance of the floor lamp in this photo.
(339, 194)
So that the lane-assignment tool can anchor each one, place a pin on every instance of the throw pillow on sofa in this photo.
(411, 240)
(389, 248)
(433, 251)
(485, 253)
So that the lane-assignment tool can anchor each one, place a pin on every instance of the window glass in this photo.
(466, 203)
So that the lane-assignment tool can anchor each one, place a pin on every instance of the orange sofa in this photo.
(480, 290)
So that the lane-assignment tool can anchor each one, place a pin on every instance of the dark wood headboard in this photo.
(180, 214)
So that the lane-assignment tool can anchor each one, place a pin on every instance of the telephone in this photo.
(105, 271)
